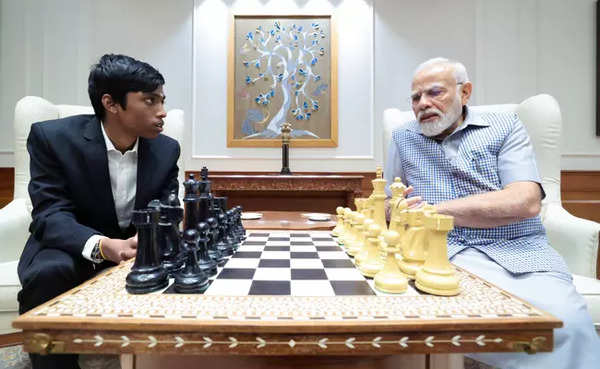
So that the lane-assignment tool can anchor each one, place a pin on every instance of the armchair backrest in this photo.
(541, 116)
(31, 109)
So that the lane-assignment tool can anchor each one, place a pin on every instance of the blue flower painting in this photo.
(284, 65)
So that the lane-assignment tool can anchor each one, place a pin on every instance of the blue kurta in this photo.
(486, 152)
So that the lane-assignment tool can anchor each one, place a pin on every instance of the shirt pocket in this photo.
(484, 166)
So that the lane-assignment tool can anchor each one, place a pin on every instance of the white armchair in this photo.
(576, 239)
(16, 216)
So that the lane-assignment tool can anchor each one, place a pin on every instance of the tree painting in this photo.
(283, 75)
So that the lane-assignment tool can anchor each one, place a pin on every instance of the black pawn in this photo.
(208, 266)
(191, 279)
(240, 226)
(223, 242)
(147, 274)
(213, 235)
(234, 238)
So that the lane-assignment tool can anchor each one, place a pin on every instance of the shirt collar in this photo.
(109, 144)
(471, 119)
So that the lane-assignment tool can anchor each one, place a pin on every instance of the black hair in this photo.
(117, 75)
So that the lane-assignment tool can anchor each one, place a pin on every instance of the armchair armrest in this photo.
(575, 239)
(14, 228)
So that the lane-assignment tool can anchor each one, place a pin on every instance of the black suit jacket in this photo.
(70, 185)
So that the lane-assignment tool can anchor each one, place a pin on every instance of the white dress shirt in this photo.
(122, 169)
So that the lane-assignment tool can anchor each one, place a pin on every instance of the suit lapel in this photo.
(97, 172)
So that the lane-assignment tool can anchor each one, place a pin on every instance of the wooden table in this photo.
(269, 331)
(293, 220)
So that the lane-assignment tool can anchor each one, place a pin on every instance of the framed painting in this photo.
(282, 69)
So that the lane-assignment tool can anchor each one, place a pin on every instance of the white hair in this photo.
(460, 72)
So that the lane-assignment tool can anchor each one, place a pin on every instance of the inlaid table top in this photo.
(101, 316)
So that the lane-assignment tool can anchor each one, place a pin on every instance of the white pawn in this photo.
(357, 243)
(347, 228)
(339, 227)
(373, 263)
(391, 279)
(363, 253)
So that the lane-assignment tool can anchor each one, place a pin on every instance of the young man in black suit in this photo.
(88, 173)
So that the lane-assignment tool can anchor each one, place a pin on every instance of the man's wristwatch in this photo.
(96, 254)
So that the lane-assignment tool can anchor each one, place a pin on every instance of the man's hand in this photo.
(117, 250)
(412, 202)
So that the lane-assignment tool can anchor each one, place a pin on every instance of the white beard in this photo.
(432, 129)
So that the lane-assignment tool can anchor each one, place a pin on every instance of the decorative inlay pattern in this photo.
(286, 183)
(258, 342)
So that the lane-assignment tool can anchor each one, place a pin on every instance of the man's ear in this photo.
(465, 93)
(109, 104)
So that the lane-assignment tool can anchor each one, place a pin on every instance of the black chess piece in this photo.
(240, 226)
(169, 236)
(222, 203)
(215, 209)
(213, 235)
(224, 244)
(232, 235)
(147, 274)
(208, 265)
(191, 201)
(204, 187)
(191, 279)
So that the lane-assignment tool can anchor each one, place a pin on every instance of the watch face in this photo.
(96, 253)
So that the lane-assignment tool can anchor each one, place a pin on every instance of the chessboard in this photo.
(294, 263)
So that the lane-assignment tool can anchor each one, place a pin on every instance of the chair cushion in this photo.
(589, 288)
(9, 286)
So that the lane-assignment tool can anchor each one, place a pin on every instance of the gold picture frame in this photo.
(282, 68)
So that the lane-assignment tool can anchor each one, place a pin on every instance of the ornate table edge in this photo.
(211, 343)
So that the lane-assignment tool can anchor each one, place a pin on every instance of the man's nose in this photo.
(162, 113)
(424, 102)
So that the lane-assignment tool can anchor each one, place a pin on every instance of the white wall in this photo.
(512, 49)
(48, 46)
(355, 93)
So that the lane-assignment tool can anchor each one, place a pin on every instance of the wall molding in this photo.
(581, 154)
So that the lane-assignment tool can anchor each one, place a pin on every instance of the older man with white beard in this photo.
(481, 169)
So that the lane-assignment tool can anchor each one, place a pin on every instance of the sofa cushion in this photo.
(589, 288)
(9, 286)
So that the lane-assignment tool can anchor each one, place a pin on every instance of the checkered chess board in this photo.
(299, 263)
